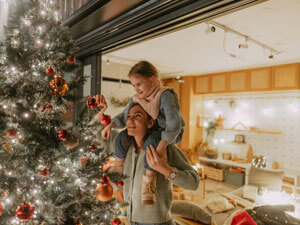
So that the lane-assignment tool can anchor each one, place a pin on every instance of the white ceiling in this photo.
(190, 51)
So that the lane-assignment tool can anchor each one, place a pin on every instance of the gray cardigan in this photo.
(169, 117)
(187, 178)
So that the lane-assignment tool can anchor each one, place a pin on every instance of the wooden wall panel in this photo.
(218, 83)
(237, 81)
(286, 77)
(202, 84)
(260, 79)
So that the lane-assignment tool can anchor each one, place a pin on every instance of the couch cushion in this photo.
(191, 211)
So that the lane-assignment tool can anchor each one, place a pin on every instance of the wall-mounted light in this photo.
(210, 29)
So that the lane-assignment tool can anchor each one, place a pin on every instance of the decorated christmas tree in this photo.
(51, 172)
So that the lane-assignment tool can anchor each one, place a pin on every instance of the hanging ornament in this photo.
(115, 221)
(77, 222)
(71, 59)
(104, 179)
(72, 144)
(93, 147)
(50, 71)
(25, 212)
(7, 146)
(118, 195)
(92, 103)
(58, 86)
(1, 210)
(63, 135)
(105, 119)
(11, 133)
(121, 183)
(105, 192)
(84, 160)
(44, 172)
(46, 107)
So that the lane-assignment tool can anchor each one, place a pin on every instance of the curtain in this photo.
(3, 16)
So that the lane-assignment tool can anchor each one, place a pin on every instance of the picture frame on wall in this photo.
(239, 138)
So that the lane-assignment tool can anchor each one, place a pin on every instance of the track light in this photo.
(245, 45)
(271, 56)
(210, 29)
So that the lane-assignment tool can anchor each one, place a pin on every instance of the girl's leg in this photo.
(149, 179)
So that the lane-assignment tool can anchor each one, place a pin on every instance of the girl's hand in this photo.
(158, 163)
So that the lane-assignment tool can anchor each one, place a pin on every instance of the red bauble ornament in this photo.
(93, 147)
(115, 221)
(121, 183)
(92, 103)
(44, 172)
(50, 71)
(11, 133)
(1, 210)
(25, 212)
(104, 179)
(105, 119)
(63, 135)
(47, 106)
(71, 59)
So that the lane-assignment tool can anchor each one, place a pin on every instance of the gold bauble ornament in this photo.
(77, 222)
(58, 86)
(84, 160)
(105, 192)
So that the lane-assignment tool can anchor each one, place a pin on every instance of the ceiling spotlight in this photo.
(271, 56)
(107, 61)
(210, 29)
(245, 45)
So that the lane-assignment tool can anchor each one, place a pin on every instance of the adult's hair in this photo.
(144, 69)
(129, 140)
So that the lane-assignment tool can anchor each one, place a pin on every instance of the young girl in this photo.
(161, 103)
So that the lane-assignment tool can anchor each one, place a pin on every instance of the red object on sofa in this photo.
(243, 218)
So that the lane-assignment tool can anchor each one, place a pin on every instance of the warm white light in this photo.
(209, 104)
(293, 107)
(244, 105)
(205, 124)
(81, 150)
(4, 106)
(216, 141)
(86, 138)
(9, 173)
(38, 41)
(13, 141)
(35, 191)
(51, 181)
(13, 68)
(32, 178)
(268, 111)
(43, 12)
(218, 113)
(26, 115)
(67, 170)
(8, 200)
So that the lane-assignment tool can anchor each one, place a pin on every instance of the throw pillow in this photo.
(190, 211)
(220, 204)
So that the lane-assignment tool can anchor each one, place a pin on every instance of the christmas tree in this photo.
(50, 171)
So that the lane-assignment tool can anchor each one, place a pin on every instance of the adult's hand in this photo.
(158, 163)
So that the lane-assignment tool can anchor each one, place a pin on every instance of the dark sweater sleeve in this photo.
(187, 177)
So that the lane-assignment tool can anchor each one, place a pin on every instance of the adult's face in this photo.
(137, 122)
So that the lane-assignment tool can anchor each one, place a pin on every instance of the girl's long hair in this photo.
(130, 141)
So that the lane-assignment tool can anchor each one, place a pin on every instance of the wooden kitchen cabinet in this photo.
(285, 77)
(238, 81)
(202, 84)
(260, 79)
(219, 83)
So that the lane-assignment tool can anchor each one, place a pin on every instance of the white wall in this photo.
(268, 111)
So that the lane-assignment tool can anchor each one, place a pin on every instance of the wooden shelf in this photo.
(256, 131)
